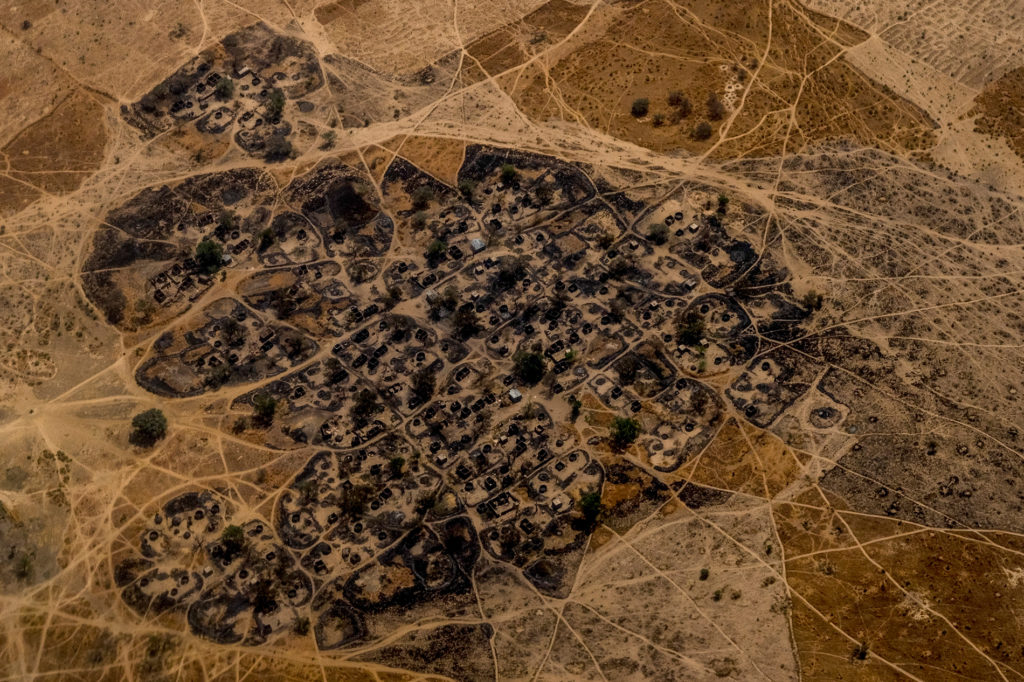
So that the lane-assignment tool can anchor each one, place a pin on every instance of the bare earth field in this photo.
(533, 340)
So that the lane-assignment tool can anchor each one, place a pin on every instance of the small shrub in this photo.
(723, 203)
(148, 427)
(702, 131)
(658, 120)
(704, 573)
(640, 107)
(466, 189)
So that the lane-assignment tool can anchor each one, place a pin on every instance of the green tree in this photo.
(640, 107)
(225, 88)
(436, 251)
(422, 197)
(466, 189)
(210, 255)
(232, 542)
(624, 431)
(575, 403)
(264, 406)
(275, 105)
(509, 174)
(591, 508)
(658, 120)
(396, 464)
(529, 367)
(723, 203)
(148, 427)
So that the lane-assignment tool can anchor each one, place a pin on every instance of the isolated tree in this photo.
(422, 197)
(544, 194)
(575, 404)
(702, 131)
(691, 328)
(277, 148)
(723, 203)
(225, 88)
(264, 407)
(509, 174)
(529, 367)
(148, 427)
(396, 464)
(466, 189)
(624, 431)
(591, 508)
(333, 371)
(681, 105)
(364, 406)
(423, 383)
(466, 321)
(275, 105)
(812, 300)
(209, 255)
(658, 233)
(716, 109)
(658, 120)
(232, 542)
(436, 251)
(640, 107)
